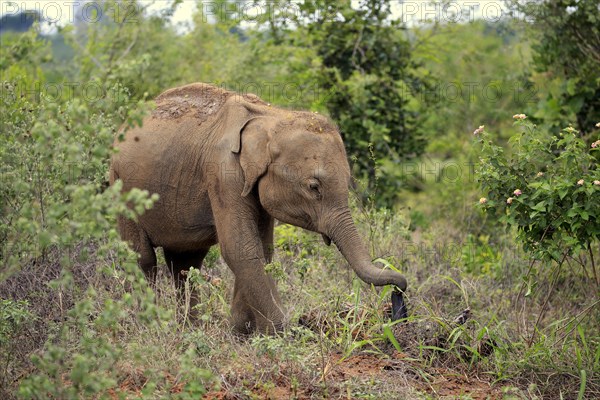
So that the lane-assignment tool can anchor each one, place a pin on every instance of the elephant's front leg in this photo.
(256, 303)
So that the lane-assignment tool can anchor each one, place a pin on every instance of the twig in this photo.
(545, 305)
(596, 277)
(574, 274)
(580, 261)
(128, 49)
(94, 59)
(323, 365)
(533, 260)
(531, 264)
(356, 47)
(530, 267)
(585, 310)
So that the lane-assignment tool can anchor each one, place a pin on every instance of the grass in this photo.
(112, 336)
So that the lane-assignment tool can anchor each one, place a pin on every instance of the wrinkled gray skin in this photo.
(225, 166)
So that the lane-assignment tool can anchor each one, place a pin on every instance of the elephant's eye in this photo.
(315, 187)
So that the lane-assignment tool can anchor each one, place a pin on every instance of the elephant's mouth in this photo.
(326, 239)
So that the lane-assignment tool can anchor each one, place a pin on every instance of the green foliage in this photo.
(275, 269)
(123, 46)
(547, 187)
(54, 172)
(381, 227)
(89, 357)
(567, 59)
(22, 52)
(211, 259)
(54, 195)
(480, 79)
(480, 258)
(282, 347)
(480, 72)
(15, 318)
(299, 246)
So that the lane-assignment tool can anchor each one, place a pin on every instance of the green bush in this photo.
(480, 258)
(15, 318)
(545, 186)
(566, 61)
(57, 210)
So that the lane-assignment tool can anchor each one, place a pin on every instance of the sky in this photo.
(60, 12)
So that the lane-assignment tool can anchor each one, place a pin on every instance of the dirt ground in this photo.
(442, 383)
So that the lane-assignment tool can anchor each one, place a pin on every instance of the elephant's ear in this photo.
(249, 140)
(255, 156)
(237, 115)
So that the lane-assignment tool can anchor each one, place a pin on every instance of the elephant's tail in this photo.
(112, 174)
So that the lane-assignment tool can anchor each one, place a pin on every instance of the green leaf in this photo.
(562, 193)
(540, 206)
(387, 331)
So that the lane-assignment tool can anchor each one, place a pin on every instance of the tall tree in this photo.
(567, 54)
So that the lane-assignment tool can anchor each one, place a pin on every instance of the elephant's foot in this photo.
(256, 305)
(270, 326)
(242, 320)
(245, 320)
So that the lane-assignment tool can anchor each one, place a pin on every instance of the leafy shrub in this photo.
(545, 186)
(480, 258)
(15, 318)
(300, 246)
(567, 60)
(56, 208)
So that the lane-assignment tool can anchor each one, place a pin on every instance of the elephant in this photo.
(225, 166)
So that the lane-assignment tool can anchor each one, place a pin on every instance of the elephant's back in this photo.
(174, 127)
(175, 138)
(199, 101)
(196, 100)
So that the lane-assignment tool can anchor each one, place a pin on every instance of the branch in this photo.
(585, 310)
(87, 53)
(357, 48)
(128, 49)
(544, 306)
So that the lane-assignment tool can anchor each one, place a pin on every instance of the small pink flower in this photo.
(517, 192)
(519, 116)
(482, 200)
(478, 130)
(596, 144)
(540, 174)
(597, 182)
(509, 200)
(580, 182)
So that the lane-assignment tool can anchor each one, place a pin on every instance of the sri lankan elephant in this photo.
(225, 166)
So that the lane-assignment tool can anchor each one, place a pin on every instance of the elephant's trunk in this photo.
(344, 234)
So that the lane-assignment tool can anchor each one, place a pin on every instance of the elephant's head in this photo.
(295, 163)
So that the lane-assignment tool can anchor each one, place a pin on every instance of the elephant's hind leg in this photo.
(177, 263)
(131, 232)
